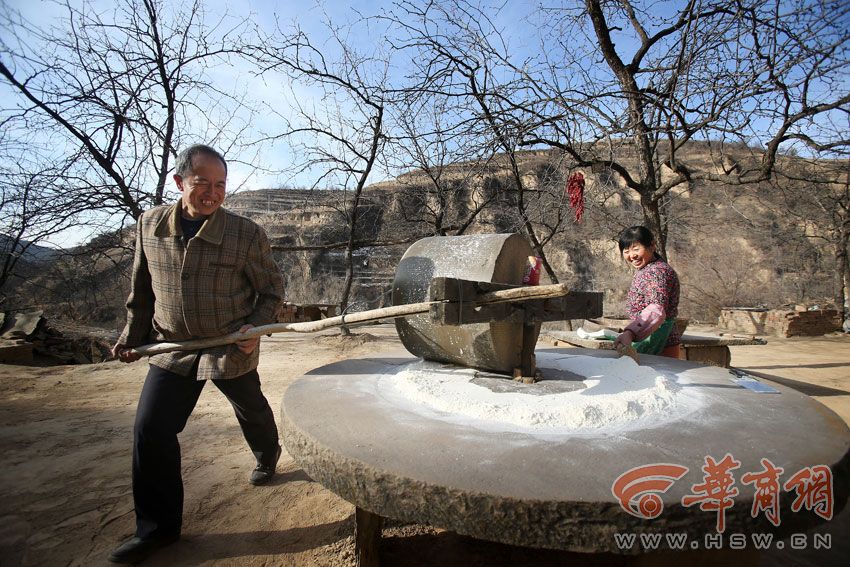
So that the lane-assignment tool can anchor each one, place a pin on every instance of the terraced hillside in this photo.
(764, 245)
(730, 244)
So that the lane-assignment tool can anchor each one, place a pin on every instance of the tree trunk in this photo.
(349, 259)
(377, 132)
(842, 271)
(652, 220)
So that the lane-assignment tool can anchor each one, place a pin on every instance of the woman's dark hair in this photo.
(639, 234)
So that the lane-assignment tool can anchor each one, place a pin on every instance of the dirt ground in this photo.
(65, 495)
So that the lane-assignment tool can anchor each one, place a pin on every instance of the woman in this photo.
(653, 299)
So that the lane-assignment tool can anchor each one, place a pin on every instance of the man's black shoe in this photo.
(137, 549)
(264, 473)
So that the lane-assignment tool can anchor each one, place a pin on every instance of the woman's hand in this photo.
(624, 340)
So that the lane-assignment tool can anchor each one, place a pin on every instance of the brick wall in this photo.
(783, 323)
(292, 313)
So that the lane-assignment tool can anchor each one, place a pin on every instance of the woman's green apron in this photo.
(655, 343)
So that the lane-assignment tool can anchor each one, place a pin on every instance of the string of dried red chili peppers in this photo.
(575, 189)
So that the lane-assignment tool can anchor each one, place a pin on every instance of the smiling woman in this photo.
(653, 299)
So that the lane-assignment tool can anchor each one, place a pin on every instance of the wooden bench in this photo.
(704, 348)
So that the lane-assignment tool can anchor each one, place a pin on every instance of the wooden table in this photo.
(705, 348)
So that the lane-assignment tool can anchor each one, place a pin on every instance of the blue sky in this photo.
(274, 91)
(311, 17)
(281, 95)
(307, 14)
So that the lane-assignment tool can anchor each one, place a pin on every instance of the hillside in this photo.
(30, 252)
(731, 245)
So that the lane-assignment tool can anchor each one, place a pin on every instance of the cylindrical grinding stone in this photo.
(498, 258)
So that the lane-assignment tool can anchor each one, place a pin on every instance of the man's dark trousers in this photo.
(165, 404)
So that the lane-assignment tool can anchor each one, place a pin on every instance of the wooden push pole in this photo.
(501, 296)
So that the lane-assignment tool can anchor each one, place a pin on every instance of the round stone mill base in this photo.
(359, 429)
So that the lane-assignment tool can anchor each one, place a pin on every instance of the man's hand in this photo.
(247, 345)
(125, 354)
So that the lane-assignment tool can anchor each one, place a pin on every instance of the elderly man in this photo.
(199, 271)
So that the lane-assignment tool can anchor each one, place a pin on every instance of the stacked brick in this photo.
(800, 322)
(286, 314)
(292, 313)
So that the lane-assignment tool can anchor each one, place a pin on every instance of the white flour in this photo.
(615, 394)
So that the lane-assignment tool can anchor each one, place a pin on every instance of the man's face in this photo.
(203, 188)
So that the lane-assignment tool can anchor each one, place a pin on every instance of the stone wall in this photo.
(27, 334)
(781, 322)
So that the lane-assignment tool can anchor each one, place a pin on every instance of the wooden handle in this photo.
(393, 312)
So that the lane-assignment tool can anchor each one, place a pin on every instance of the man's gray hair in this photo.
(183, 164)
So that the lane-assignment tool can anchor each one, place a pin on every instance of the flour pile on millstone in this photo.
(587, 395)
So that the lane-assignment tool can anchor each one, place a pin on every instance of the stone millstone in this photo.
(387, 455)
(497, 258)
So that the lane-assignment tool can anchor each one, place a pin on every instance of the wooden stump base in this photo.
(367, 537)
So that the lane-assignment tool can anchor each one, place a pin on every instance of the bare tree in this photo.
(340, 133)
(117, 93)
(35, 205)
(724, 71)
(621, 88)
(816, 195)
(457, 52)
(28, 214)
(444, 161)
